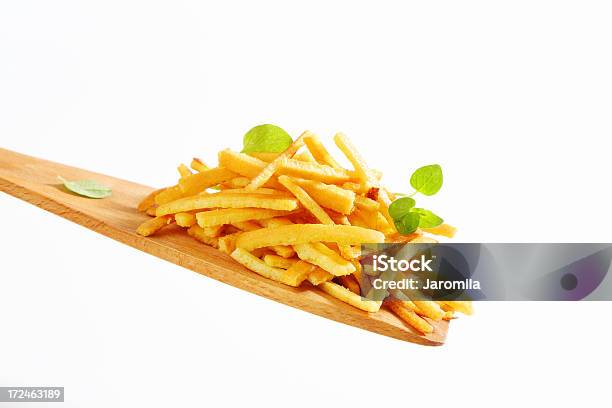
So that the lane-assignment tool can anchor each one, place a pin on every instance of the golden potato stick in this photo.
(199, 234)
(365, 203)
(280, 221)
(184, 170)
(383, 225)
(228, 200)
(358, 271)
(169, 194)
(379, 222)
(384, 201)
(227, 243)
(350, 283)
(383, 198)
(449, 315)
(247, 225)
(303, 217)
(410, 305)
(214, 231)
(198, 165)
(362, 172)
(326, 259)
(233, 215)
(345, 295)
(400, 296)
(264, 156)
(149, 200)
(152, 210)
(354, 187)
(196, 183)
(365, 174)
(153, 225)
(261, 252)
(345, 250)
(462, 306)
(409, 316)
(313, 171)
(362, 219)
(351, 153)
(328, 195)
(241, 163)
(318, 276)
(392, 196)
(281, 250)
(304, 156)
(357, 221)
(185, 219)
(389, 225)
(258, 266)
(269, 191)
(307, 201)
(429, 308)
(319, 151)
(339, 218)
(331, 246)
(244, 165)
(374, 220)
(237, 182)
(279, 262)
(358, 188)
(444, 306)
(444, 230)
(298, 272)
(275, 222)
(376, 175)
(305, 233)
(273, 166)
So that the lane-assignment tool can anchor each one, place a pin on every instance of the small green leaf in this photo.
(86, 188)
(408, 224)
(266, 139)
(428, 219)
(427, 180)
(401, 207)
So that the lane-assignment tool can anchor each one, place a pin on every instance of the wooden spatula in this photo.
(35, 181)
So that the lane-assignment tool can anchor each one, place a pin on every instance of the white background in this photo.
(513, 99)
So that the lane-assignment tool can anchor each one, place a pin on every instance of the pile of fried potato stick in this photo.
(295, 216)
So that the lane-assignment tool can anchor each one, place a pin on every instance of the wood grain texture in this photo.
(35, 181)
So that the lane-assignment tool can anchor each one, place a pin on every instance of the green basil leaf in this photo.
(266, 139)
(87, 188)
(401, 207)
(427, 179)
(428, 219)
(408, 223)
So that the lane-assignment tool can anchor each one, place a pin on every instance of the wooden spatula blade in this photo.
(35, 181)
